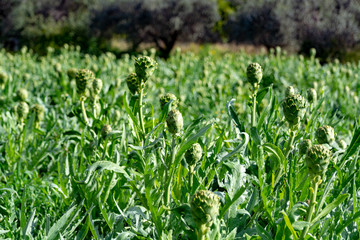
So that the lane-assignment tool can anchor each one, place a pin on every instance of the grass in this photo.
(66, 180)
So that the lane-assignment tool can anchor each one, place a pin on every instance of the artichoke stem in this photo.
(253, 116)
(84, 111)
(315, 184)
(291, 142)
(140, 112)
(202, 232)
(167, 177)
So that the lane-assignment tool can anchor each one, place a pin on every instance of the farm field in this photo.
(237, 150)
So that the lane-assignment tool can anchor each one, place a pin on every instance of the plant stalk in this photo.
(141, 120)
(167, 177)
(253, 116)
(315, 185)
(84, 111)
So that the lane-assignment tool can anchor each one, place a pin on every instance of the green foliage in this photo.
(114, 167)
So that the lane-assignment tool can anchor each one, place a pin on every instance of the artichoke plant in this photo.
(304, 146)
(311, 95)
(204, 210)
(22, 94)
(325, 134)
(22, 110)
(174, 121)
(144, 67)
(96, 87)
(317, 160)
(83, 78)
(167, 98)
(133, 83)
(294, 107)
(193, 154)
(254, 73)
(39, 111)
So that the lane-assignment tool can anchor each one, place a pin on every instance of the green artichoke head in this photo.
(144, 67)
(167, 98)
(205, 207)
(294, 107)
(174, 121)
(83, 78)
(311, 95)
(193, 154)
(22, 110)
(39, 111)
(254, 73)
(133, 83)
(325, 134)
(304, 146)
(22, 94)
(317, 160)
(96, 87)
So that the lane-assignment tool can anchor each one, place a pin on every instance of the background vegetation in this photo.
(329, 26)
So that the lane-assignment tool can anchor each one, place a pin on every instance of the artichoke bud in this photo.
(144, 67)
(3, 79)
(174, 121)
(166, 98)
(58, 68)
(83, 78)
(22, 110)
(39, 111)
(290, 90)
(317, 160)
(254, 73)
(294, 107)
(97, 85)
(193, 154)
(106, 129)
(311, 95)
(325, 134)
(205, 208)
(133, 83)
(116, 116)
(22, 94)
(71, 72)
(304, 146)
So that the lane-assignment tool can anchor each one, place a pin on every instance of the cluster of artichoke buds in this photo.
(144, 68)
(3, 79)
(325, 135)
(317, 160)
(167, 98)
(39, 112)
(174, 121)
(193, 154)
(83, 78)
(294, 107)
(204, 210)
